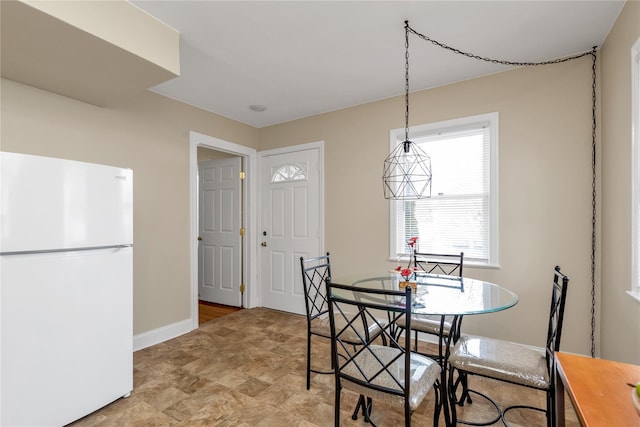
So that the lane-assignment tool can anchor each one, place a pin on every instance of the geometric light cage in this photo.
(407, 173)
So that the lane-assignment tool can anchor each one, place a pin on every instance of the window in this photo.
(288, 173)
(635, 171)
(462, 213)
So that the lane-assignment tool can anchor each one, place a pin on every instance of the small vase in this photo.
(406, 283)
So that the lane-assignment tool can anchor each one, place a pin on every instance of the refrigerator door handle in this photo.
(49, 251)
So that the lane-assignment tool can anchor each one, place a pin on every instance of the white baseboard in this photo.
(156, 336)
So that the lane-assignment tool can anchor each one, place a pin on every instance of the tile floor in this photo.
(248, 369)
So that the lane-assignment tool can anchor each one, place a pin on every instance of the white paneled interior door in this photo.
(291, 224)
(219, 231)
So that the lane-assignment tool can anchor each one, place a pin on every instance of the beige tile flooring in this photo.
(248, 369)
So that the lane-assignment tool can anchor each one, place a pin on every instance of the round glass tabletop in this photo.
(443, 295)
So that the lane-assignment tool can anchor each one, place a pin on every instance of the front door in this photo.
(291, 223)
(219, 261)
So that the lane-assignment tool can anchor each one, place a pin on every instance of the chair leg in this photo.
(465, 396)
(360, 404)
(366, 404)
(337, 405)
(438, 406)
(452, 386)
(407, 414)
(551, 406)
(369, 408)
(309, 361)
(463, 379)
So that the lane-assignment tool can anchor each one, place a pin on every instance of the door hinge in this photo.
(241, 288)
(243, 175)
(243, 231)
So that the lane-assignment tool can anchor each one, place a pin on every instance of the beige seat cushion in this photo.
(424, 373)
(503, 360)
(427, 323)
(322, 327)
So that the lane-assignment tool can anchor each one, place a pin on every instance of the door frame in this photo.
(249, 214)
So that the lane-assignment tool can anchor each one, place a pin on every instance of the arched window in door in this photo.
(288, 173)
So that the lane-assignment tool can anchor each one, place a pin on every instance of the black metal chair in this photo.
(314, 273)
(389, 373)
(447, 264)
(511, 362)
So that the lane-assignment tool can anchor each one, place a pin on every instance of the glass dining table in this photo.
(442, 296)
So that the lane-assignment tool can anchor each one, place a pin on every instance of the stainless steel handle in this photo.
(53, 251)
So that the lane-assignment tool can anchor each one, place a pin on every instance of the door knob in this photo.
(263, 244)
(199, 238)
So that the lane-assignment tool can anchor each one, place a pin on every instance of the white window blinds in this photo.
(458, 216)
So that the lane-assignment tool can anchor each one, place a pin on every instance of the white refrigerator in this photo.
(66, 273)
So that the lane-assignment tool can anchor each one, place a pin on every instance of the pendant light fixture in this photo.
(407, 170)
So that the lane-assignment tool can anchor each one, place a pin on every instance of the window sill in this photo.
(480, 265)
(634, 294)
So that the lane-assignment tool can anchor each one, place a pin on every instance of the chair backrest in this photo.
(556, 315)
(314, 273)
(448, 264)
(353, 310)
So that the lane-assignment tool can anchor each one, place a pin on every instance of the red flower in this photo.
(406, 273)
(412, 241)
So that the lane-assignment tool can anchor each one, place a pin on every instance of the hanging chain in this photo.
(593, 204)
(593, 138)
(406, 84)
(493, 61)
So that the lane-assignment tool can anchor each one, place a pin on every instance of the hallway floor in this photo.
(248, 369)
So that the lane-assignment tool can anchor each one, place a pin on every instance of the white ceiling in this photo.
(302, 58)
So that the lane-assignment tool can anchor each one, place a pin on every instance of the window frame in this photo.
(635, 171)
(418, 131)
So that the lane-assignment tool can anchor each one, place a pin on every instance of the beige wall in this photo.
(150, 134)
(620, 313)
(545, 187)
